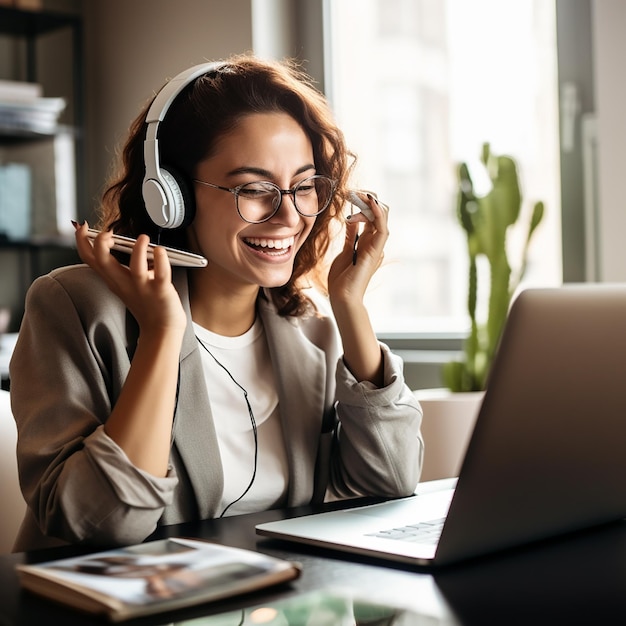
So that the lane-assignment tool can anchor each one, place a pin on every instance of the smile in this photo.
(270, 246)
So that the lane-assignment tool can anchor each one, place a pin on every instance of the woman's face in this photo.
(262, 147)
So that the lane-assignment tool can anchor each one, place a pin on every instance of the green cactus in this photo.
(486, 220)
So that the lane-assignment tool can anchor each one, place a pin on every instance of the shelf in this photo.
(10, 136)
(37, 241)
(33, 23)
(54, 153)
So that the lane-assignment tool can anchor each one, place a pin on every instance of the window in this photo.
(418, 86)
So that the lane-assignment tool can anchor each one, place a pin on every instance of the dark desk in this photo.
(580, 579)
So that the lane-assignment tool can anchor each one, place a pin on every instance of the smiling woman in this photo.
(251, 239)
(256, 244)
(254, 382)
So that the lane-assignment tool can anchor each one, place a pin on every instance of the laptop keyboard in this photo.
(421, 532)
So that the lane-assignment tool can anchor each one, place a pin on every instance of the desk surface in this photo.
(580, 579)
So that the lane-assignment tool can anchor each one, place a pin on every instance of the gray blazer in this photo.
(75, 346)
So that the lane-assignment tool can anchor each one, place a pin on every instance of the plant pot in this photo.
(447, 425)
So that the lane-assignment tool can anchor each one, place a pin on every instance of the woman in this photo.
(148, 395)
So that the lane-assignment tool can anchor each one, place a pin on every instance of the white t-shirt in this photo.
(247, 360)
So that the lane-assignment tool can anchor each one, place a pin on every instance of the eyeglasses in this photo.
(259, 201)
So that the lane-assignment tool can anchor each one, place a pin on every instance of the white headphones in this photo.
(164, 194)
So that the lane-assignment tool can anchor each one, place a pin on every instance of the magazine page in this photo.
(152, 576)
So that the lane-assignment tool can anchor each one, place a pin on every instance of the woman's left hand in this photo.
(362, 253)
(348, 279)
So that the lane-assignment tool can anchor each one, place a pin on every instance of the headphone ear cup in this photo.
(183, 206)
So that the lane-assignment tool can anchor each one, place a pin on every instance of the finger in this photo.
(352, 231)
(356, 218)
(83, 244)
(373, 211)
(94, 252)
(348, 255)
(102, 245)
(358, 199)
(371, 242)
(138, 263)
(380, 211)
(162, 266)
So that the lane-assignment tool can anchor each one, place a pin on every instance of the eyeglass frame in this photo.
(283, 192)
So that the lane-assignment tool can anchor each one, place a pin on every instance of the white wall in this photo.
(609, 42)
(132, 47)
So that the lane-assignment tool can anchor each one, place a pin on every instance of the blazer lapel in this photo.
(300, 371)
(194, 433)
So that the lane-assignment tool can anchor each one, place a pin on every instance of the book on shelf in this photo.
(154, 577)
(38, 116)
(19, 91)
(23, 108)
(15, 201)
(52, 163)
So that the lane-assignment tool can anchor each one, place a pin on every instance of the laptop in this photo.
(547, 454)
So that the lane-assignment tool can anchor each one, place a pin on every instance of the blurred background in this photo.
(417, 85)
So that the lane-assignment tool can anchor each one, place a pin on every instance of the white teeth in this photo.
(278, 244)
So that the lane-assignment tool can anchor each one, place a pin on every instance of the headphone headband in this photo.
(161, 191)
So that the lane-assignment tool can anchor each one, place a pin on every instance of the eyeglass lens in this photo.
(258, 201)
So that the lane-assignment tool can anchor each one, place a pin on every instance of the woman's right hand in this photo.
(141, 420)
(144, 287)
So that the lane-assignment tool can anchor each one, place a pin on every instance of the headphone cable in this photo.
(252, 421)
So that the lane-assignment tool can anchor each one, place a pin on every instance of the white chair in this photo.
(447, 426)
(12, 505)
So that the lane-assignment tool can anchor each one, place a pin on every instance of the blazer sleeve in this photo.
(378, 444)
(66, 372)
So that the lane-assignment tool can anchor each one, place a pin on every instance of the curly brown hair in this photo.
(204, 111)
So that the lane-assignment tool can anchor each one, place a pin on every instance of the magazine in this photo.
(155, 576)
